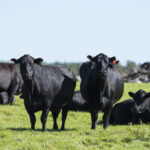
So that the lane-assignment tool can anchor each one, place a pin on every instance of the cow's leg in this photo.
(10, 99)
(106, 116)
(55, 116)
(12, 90)
(44, 118)
(64, 116)
(94, 117)
(32, 117)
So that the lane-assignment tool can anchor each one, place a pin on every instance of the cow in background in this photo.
(78, 103)
(10, 80)
(4, 98)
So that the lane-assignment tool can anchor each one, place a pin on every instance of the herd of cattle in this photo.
(51, 88)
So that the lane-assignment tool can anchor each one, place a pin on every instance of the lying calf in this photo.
(133, 110)
(78, 103)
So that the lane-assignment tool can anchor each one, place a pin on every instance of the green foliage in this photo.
(130, 67)
(15, 133)
(73, 66)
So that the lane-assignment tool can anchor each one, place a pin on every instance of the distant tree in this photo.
(121, 69)
(131, 66)
(73, 66)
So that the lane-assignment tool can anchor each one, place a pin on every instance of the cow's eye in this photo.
(106, 61)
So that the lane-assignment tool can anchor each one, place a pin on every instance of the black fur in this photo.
(78, 103)
(121, 113)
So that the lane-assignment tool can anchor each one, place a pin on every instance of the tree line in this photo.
(130, 66)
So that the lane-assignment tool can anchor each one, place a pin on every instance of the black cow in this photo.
(10, 80)
(133, 110)
(101, 87)
(78, 103)
(46, 88)
(122, 113)
(141, 106)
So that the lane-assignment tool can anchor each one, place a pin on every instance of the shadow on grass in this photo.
(40, 130)
(100, 122)
(127, 124)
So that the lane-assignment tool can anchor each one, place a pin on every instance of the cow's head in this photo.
(27, 63)
(101, 63)
(142, 100)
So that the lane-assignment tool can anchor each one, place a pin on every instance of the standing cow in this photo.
(46, 88)
(101, 87)
(10, 80)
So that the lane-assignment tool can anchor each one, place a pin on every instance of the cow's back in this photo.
(52, 78)
(122, 112)
(65, 86)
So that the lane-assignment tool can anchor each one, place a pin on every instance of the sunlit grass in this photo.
(15, 133)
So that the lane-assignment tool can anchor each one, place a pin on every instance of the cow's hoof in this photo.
(55, 128)
(44, 130)
(105, 127)
(62, 129)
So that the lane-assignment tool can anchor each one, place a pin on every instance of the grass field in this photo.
(15, 133)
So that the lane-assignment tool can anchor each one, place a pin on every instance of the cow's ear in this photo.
(90, 57)
(93, 59)
(112, 60)
(38, 61)
(147, 95)
(14, 60)
(131, 94)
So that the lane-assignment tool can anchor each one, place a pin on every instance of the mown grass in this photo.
(15, 133)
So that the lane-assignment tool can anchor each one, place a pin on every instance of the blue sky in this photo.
(69, 30)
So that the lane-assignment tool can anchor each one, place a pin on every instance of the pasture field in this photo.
(15, 133)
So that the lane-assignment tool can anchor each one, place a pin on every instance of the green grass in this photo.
(15, 133)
